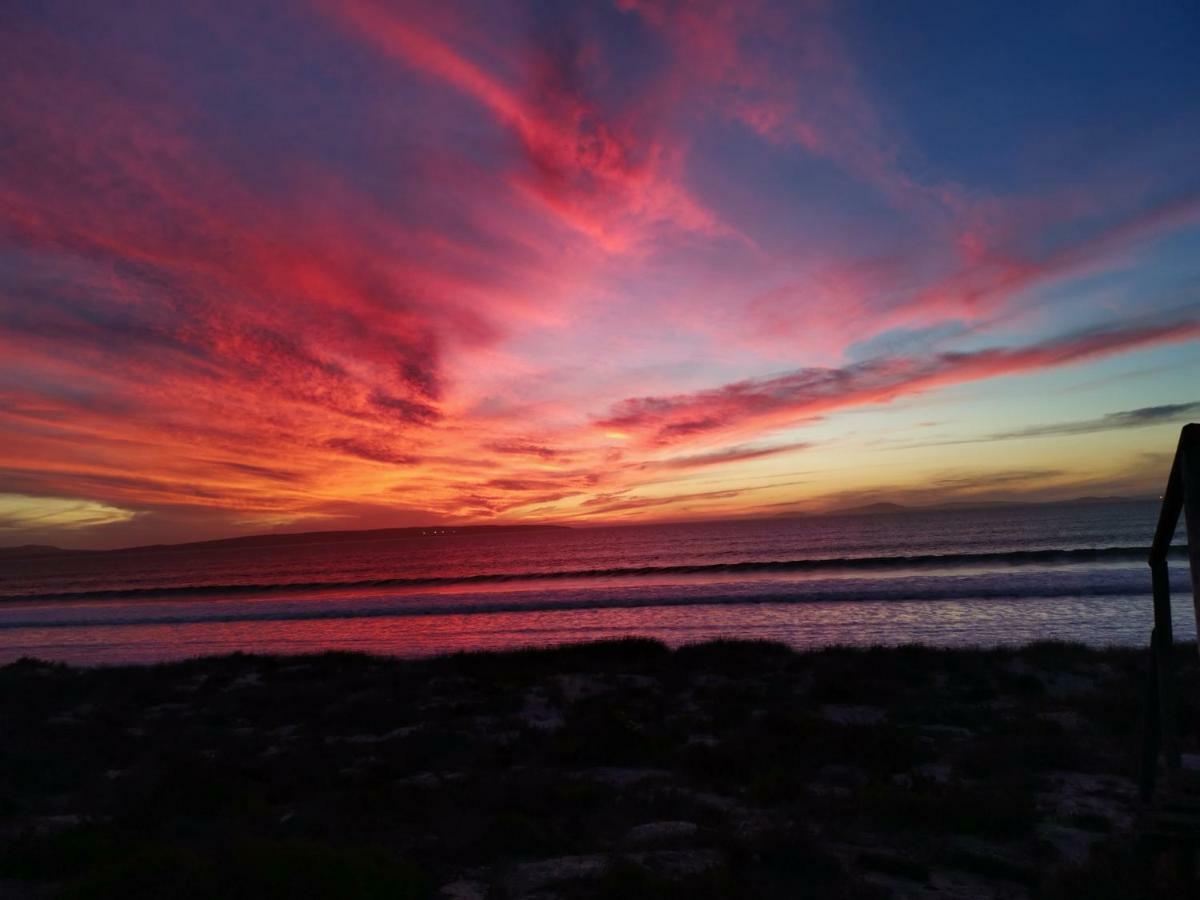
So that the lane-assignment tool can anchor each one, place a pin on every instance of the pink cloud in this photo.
(759, 405)
(609, 178)
(179, 316)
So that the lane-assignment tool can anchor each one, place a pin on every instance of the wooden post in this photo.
(1188, 463)
(1182, 495)
(1161, 644)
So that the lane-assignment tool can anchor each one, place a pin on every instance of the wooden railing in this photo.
(1182, 494)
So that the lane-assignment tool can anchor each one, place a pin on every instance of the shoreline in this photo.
(1117, 621)
(609, 769)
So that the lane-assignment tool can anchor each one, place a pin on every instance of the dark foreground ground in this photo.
(616, 770)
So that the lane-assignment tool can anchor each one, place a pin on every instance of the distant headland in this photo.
(291, 539)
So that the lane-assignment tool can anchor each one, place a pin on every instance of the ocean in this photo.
(998, 575)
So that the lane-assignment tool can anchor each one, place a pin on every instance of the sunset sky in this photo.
(310, 265)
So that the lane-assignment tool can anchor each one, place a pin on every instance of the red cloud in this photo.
(180, 321)
(783, 71)
(612, 180)
(993, 279)
(763, 404)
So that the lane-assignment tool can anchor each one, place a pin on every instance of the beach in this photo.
(675, 449)
(614, 769)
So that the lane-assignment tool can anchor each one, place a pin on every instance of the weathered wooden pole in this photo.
(1188, 461)
(1181, 496)
(1164, 664)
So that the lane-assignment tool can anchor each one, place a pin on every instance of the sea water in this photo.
(997, 575)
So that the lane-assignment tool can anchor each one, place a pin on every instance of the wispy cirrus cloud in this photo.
(605, 175)
(786, 75)
(1129, 418)
(726, 456)
(763, 404)
(842, 301)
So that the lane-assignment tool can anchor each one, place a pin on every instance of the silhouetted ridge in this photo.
(292, 539)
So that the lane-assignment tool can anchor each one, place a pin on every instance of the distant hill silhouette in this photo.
(872, 509)
(31, 550)
(885, 508)
(292, 539)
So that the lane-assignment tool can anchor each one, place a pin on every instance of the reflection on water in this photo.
(1007, 575)
(1098, 621)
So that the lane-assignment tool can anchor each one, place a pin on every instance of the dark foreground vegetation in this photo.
(615, 770)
